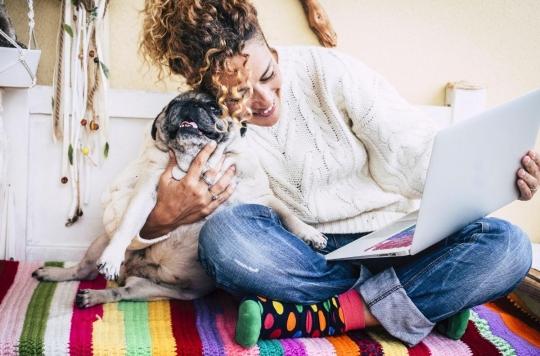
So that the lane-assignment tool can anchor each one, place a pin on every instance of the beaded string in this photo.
(80, 118)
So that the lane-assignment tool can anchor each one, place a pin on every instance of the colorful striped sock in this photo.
(259, 317)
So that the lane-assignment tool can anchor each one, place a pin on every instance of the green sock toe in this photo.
(455, 326)
(248, 326)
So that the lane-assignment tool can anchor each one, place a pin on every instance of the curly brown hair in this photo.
(195, 39)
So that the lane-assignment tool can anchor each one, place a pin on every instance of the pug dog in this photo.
(167, 267)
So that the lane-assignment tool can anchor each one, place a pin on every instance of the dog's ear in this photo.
(155, 123)
(160, 138)
(154, 130)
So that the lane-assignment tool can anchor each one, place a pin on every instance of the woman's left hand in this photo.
(528, 177)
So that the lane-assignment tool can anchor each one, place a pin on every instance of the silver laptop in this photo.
(472, 172)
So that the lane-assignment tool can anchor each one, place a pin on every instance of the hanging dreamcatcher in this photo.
(80, 118)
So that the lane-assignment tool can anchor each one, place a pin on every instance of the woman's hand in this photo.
(528, 177)
(189, 199)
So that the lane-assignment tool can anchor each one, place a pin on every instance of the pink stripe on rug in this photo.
(443, 346)
(317, 346)
(13, 308)
(82, 321)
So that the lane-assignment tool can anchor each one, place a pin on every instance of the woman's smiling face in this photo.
(264, 79)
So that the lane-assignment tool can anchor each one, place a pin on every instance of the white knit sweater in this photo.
(348, 154)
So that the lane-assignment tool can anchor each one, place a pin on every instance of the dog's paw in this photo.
(109, 270)
(42, 274)
(110, 262)
(312, 237)
(50, 274)
(87, 298)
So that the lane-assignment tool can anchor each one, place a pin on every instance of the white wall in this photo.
(419, 45)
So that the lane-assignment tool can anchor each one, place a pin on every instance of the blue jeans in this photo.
(247, 251)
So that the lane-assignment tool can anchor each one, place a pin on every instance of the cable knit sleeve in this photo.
(397, 136)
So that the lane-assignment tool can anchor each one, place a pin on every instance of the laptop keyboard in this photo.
(401, 239)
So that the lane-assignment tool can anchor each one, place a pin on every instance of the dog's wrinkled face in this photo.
(187, 124)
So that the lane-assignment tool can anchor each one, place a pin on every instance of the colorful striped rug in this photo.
(40, 318)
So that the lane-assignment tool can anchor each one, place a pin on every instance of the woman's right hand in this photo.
(189, 199)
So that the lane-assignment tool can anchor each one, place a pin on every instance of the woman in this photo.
(347, 154)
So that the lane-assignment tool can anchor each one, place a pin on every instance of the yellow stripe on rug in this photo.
(160, 324)
(108, 336)
(391, 346)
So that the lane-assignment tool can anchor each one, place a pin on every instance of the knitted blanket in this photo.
(40, 318)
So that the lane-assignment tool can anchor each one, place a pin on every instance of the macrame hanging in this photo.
(80, 119)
